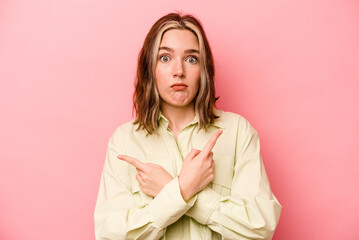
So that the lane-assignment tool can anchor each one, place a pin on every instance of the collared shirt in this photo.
(237, 204)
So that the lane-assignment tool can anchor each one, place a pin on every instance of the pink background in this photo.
(67, 69)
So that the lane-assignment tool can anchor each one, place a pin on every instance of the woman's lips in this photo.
(179, 86)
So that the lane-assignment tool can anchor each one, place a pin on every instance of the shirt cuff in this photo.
(168, 206)
(207, 200)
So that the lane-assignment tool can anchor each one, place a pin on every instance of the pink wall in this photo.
(66, 81)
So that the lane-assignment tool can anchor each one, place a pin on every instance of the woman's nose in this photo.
(178, 69)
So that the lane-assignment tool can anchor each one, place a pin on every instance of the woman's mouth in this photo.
(179, 86)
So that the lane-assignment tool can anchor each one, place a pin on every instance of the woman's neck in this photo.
(178, 117)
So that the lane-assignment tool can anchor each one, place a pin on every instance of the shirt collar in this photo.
(162, 120)
(218, 122)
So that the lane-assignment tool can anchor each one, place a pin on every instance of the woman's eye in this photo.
(164, 58)
(192, 59)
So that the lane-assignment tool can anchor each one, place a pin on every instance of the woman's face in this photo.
(178, 68)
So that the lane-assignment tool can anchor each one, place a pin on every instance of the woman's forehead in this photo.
(179, 39)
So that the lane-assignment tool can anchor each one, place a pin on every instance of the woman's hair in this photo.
(146, 99)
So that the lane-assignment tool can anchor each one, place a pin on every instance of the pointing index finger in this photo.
(211, 142)
(133, 161)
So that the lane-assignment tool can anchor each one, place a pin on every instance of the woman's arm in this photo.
(251, 211)
(117, 216)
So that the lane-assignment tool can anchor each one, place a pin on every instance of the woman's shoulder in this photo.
(230, 119)
(125, 129)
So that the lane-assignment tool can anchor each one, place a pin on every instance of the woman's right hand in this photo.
(197, 169)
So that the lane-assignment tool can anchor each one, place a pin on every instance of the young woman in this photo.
(183, 169)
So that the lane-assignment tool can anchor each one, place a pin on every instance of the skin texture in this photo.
(177, 80)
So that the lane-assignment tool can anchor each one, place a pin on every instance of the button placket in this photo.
(173, 151)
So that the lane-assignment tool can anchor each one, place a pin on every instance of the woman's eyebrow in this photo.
(191, 51)
(171, 50)
(166, 48)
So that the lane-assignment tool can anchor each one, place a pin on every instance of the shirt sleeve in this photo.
(251, 211)
(117, 216)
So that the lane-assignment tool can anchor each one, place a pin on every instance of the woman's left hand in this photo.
(151, 177)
